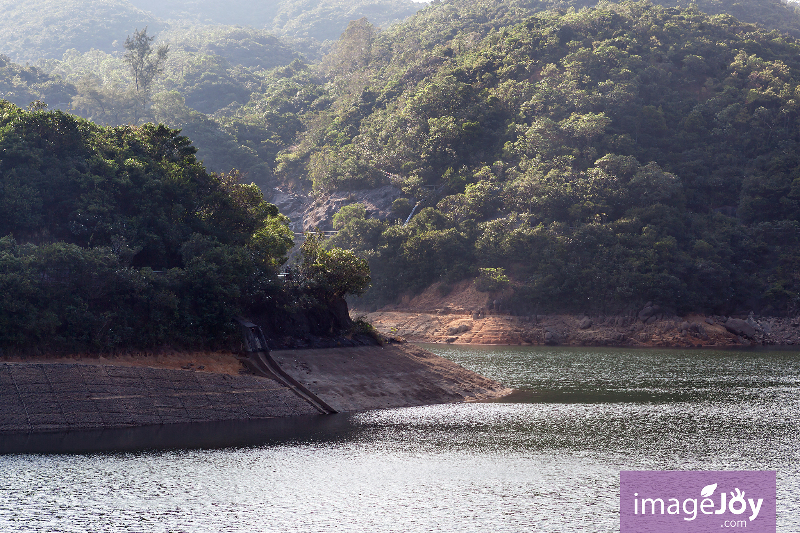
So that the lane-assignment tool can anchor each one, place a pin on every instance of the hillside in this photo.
(596, 159)
(584, 159)
(31, 30)
(210, 72)
(319, 20)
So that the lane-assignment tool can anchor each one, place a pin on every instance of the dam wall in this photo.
(38, 397)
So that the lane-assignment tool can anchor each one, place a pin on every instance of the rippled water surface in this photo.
(547, 459)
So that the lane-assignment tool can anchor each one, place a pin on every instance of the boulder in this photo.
(740, 327)
(340, 313)
(457, 330)
(648, 311)
(585, 323)
(550, 338)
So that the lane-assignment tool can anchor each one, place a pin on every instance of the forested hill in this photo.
(589, 158)
(34, 29)
(602, 157)
(118, 238)
(31, 30)
(319, 20)
(772, 14)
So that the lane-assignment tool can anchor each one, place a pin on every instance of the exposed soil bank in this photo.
(463, 327)
(461, 314)
(61, 394)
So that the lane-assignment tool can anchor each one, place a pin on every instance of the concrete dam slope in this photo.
(54, 396)
(75, 396)
(362, 378)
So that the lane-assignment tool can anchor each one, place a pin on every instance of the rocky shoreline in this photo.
(461, 314)
(649, 327)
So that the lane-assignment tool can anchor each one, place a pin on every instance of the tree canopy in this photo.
(118, 237)
(586, 156)
(144, 62)
(603, 157)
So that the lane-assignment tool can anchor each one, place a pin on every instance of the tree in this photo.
(332, 273)
(347, 213)
(139, 57)
(353, 51)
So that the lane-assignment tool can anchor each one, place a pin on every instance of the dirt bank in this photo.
(570, 330)
(465, 316)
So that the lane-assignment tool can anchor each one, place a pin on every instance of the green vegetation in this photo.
(23, 85)
(218, 84)
(602, 157)
(582, 157)
(118, 237)
(329, 272)
(31, 30)
(237, 115)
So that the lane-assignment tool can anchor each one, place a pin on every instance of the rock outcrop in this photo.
(740, 327)
(308, 212)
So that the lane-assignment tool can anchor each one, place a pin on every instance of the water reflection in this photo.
(207, 435)
(546, 459)
(600, 375)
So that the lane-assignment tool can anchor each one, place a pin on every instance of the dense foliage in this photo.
(589, 158)
(23, 85)
(603, 157)
(208, 75)
(31, 30)
(118, 237)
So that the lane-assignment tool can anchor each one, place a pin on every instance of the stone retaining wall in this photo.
(37, 397)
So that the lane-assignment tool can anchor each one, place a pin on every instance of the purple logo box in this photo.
(671, 501)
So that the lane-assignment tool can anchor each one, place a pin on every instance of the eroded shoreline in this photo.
(459, 326)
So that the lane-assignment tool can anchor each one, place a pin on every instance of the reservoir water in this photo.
(545, 459)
